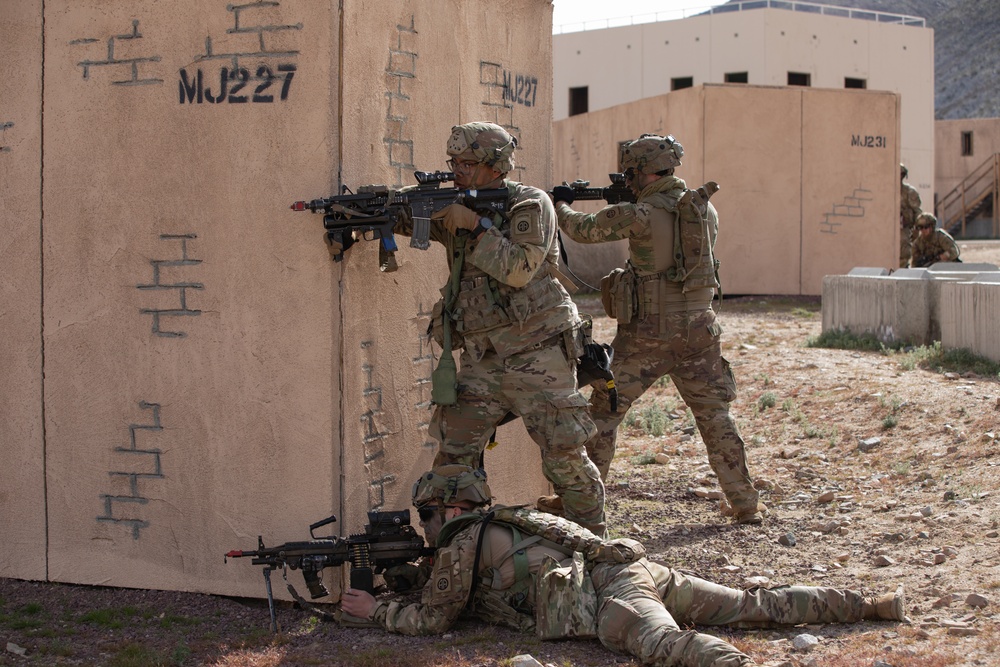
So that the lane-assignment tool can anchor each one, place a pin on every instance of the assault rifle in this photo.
(615, 193)
(388, 540)
(375, 209)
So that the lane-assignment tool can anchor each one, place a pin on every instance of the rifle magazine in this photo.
(421, 237)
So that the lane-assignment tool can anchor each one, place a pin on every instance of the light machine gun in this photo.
(374, 210)
(388, 540)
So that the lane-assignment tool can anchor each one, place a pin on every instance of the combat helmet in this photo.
(452, 483)
(487, 143)
(903, 171)
(651, 154)
(925, 220)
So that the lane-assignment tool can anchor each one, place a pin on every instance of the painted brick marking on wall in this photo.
(131, 64)
(401, 67)
(243, 15)
(148, 459)
(373, 438)
(3, 130)
(853, 206)
(180, 287)
(499, 109)
(425, 358)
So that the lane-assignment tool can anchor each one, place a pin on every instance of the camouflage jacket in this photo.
(648, 224)
(508, 591)
(510, 298)
(909, 205)
(928, 251)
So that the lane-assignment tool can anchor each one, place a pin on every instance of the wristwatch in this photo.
(484, 224)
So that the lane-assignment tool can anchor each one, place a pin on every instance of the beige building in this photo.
(967, 169)
(184, 367)
(817, 46)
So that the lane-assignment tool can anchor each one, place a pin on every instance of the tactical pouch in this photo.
(565, 601)
(618, 295)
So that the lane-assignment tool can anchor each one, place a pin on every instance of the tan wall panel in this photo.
(22, 484)
(176, 435)
(756, 159)
(850, 203)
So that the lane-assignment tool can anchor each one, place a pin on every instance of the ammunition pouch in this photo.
(565, 600)
(619, 294)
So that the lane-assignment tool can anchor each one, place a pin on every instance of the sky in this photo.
(575, 15)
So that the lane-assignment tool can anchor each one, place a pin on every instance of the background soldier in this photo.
(573, 584)
(909, 209)
(663, 304)
(932, 244)
(519, 331)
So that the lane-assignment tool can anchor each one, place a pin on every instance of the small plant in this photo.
(763, 378)
(109, 618)
(842, 339)
(787, 405)
(643, 459)
(766, 400)
(890, 421)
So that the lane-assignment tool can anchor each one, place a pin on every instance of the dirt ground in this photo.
(877, 472)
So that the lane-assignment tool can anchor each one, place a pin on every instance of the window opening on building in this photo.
(737, 77)
(799, 79)
(855, 83)
(681, 82)
(967, 143)
(578, 100)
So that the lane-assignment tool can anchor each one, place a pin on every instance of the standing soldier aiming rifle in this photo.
(519, 332)
(663, 303)
(909, 210)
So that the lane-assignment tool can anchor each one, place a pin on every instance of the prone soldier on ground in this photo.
(662, 301)
(537, 572)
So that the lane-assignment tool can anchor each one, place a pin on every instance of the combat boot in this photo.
(749, 515)
(550, 504)
(888, 607)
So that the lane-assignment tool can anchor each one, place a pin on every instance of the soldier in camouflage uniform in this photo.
(932, 244)
(909, 210)
(519, 331)
(663, 304)
(537, 572)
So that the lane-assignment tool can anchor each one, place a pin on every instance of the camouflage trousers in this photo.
(690, 353)
(539, 385)
(906, 236)
(643, 605)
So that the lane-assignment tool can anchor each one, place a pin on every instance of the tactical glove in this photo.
(456, 217)
(563, 193)
(406, 577)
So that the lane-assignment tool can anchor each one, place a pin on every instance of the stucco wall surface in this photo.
(950, 166)
(808, 176)
(209, 374)
(22, 481)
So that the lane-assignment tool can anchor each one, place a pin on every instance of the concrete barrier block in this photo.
(891, 308)
(868, 271)
(969, 313)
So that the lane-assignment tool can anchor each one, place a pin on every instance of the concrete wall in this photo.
(808, 183)
(954, 303)
(969, 313)
(623, 64)
(191, 368)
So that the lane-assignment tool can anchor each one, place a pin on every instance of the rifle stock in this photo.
(374, 210)
(388, 540)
